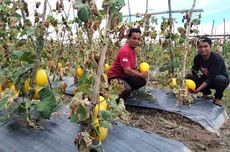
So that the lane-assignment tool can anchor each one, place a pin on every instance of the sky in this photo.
(217, 10)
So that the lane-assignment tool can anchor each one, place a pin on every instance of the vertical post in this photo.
(186, 44)
(213, 22)
(129, 11)
(170, 38)
(146, 8)
(100, 69)
(223, 46)
(44, 11)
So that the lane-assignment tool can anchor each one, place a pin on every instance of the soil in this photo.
(177, 127)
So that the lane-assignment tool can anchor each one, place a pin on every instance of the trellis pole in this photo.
(101, 61)
(223, 47)
(146, 7)
(213, 22)
(186, 44)
(129, 11)
(170, 38)
(164, 12)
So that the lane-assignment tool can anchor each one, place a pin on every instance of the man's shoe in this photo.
(118, 101)
(205, 96)
(218, 102)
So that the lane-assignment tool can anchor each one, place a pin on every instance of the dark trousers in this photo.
(130, 84)
(219, 84)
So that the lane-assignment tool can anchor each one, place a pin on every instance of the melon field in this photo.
(55, 56)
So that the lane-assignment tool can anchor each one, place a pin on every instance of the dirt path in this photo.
(176, 127)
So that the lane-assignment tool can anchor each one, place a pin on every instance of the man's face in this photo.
(204, 48)
(134, 40)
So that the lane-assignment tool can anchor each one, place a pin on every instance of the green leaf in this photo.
(40, 43)
(85, 88)
(116, 5)
(21, 108)
(83, 12)
(19, 71)
(5, 117)
(102, 12)
(175, 64)
(2, 103)
(48, 103)
(105, 114)
(119, 15)
(196, 21)
(85, 84)
(24, 56)
(21, 42)
(30, 31)
(106, 124)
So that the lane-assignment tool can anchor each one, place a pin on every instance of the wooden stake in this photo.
(186, 44)
(170, 38)
(213, 22)
(129, 11)
(101, 62)
(164, 12)
(223, 49)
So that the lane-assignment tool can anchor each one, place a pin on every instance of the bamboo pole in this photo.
(223, 47)
(164, 12)
(214, 35)
(146, 7)
(145, 21)
(44, 11)
(213, 22)
(186, 44)
(101, 62)
(170, 38)
(129, 11)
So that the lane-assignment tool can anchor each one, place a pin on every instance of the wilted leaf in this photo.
(79, 115)
(83, 141)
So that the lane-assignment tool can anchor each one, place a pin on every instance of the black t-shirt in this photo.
(214, 66)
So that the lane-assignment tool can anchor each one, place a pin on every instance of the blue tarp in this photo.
(59, 133)
(68, 80)
(202, 111)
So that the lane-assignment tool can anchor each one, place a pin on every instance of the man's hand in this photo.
(192, 91)
(132, 72)
(204, 71)
(144, 75)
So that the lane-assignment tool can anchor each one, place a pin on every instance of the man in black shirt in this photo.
(209, 71)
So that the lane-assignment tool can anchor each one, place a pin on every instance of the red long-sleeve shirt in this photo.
(126, 57)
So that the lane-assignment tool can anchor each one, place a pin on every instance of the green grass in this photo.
(226, 100)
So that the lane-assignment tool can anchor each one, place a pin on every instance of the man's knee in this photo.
(189, 76)
(125, 93)
(220, 81)
(143, 82)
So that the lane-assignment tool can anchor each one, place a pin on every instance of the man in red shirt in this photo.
(124, 64)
